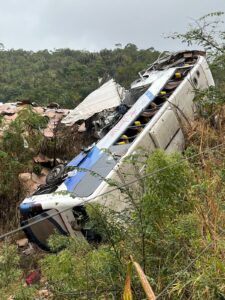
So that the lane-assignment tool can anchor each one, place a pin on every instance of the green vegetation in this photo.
(208, 33)
(67, 76)
(10, 274)
(22, 138)
(19, 144)
(175, 215)
(9, 263)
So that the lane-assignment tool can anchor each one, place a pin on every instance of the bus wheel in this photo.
(55, 174)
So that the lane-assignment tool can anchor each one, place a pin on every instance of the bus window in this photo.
(100, 170)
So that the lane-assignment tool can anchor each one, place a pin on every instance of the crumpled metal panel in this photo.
(109, 95)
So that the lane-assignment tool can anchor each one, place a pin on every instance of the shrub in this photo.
(9, 263)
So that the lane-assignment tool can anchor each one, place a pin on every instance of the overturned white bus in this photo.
(156, 103)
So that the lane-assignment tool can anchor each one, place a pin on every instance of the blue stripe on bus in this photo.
(25, 207)
(149, 95)
(75, 162)
(91, 158)
(86, 161)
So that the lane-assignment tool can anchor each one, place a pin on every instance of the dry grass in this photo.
(209, 172)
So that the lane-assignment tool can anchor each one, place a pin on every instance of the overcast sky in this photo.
(97, 24)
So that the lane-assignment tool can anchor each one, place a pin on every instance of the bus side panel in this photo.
(164, 130)
(207, 73)
(176, 144)
(126, 171)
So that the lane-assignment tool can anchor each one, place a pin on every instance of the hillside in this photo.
(66, 76)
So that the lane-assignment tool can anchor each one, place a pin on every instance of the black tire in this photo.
(55, 174)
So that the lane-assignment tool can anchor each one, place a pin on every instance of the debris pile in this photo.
(9, 112)
(100, 110)
(31, 181)
(67, 132)
(106, 97)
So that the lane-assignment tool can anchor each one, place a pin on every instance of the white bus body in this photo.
(160, 110)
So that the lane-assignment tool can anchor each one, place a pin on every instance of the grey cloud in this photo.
(97, 24)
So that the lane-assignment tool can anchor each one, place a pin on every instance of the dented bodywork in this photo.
(153, 108)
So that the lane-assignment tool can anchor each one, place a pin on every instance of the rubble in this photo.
(31, 181)
(100, 110)
(9, 112)
(107, 96)
(67, 131)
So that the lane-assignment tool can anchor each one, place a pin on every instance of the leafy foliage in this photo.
(205, 32)
(19, 144)
(9, 262)
(170, 220)
(208, 32)
(145, 232)
(79, 267)
(67, 76)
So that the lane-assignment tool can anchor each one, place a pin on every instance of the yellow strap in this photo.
(178, 75)
(137, 123)
(121, 143)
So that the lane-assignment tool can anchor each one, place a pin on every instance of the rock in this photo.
(10, 118)
(48, 133)
(22, 242)
(39, 110)
(24, 177)
(27, 182)
(50, 113)
(37, 179)
(44, 171)
(82, 127)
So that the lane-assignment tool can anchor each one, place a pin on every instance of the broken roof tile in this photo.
(48, 133)
(9, 111)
